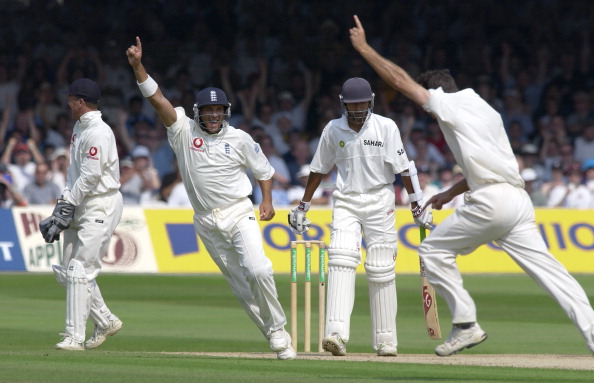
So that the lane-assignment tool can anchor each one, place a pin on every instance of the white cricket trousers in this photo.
(233, 239)
(88, 237)
(501, 213)
(87, 240)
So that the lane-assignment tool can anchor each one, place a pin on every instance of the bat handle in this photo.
(423, 233)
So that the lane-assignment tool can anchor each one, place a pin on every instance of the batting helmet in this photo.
(355, 90)
(210, 96)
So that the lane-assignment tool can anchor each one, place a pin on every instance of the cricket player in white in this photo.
(497, 208)
(88, 213)
(213, 158)
(367, 151)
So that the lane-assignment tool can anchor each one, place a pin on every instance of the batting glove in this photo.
(297, 220)
(423, 217)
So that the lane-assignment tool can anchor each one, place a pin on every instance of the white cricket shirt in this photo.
(475, 134)
(213, 166)
(367, 160)
(94, 165)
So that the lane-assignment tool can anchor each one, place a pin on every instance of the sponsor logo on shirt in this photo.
(257, 148)
(93, 153)
(227, 148)
(373, 143)
(341, 144)
(197, 144)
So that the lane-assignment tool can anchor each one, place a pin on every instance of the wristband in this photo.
(65, 194)
(416, 197)
(304, 206)
(148, 87)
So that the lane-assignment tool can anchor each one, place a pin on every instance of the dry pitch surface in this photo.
(566, 362)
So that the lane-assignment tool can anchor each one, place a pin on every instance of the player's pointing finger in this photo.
(357, 22)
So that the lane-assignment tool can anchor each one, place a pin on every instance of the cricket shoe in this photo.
(335, 344)
(387, 349)
(69, 344)
(460, 339)
(101, 334)
(280, 342)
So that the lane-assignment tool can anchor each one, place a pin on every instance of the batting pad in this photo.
(341, 297)
(99, 312)
(60, 275)
(344, 249)
(379, 265)
(383, 307)
(77, 300)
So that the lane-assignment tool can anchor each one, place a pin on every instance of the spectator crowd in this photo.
(282, 64)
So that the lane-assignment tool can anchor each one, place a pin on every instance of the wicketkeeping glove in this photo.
(423, 217)
(297, 220)
(58, 222)
(44, 227)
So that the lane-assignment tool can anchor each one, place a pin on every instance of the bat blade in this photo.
(429, 301)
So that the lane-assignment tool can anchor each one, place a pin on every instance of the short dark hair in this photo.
(433, 79)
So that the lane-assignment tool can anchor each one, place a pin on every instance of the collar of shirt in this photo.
(88, 117)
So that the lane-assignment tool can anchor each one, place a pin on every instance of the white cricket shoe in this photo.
(280, 342)
(69, 344)
(335, 344)
(460, 339)
(101, 334)
(387, 349)
(286, 354)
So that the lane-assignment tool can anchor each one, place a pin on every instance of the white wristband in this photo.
(148, 87)
(416, 197)
(305, 206)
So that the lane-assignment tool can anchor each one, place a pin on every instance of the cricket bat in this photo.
(429, 302)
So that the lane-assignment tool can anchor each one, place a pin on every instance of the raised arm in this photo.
(148, 86)
(391, 73)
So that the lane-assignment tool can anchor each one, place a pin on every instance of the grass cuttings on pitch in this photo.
(199, 314)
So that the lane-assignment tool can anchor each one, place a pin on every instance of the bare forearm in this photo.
(266, 188)
(459, 188)
(140, 72)
(313, 182)
(387, 70)
(408, 186)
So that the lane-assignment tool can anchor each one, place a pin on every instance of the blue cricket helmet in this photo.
(210, 96)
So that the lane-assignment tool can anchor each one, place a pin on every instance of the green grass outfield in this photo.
(168, 317)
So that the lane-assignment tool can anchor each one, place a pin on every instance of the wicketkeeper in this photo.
(87, 215)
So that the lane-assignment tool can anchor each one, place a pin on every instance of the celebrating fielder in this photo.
(213, 157)
(88, 213)
(367, 151)
(497, 208)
